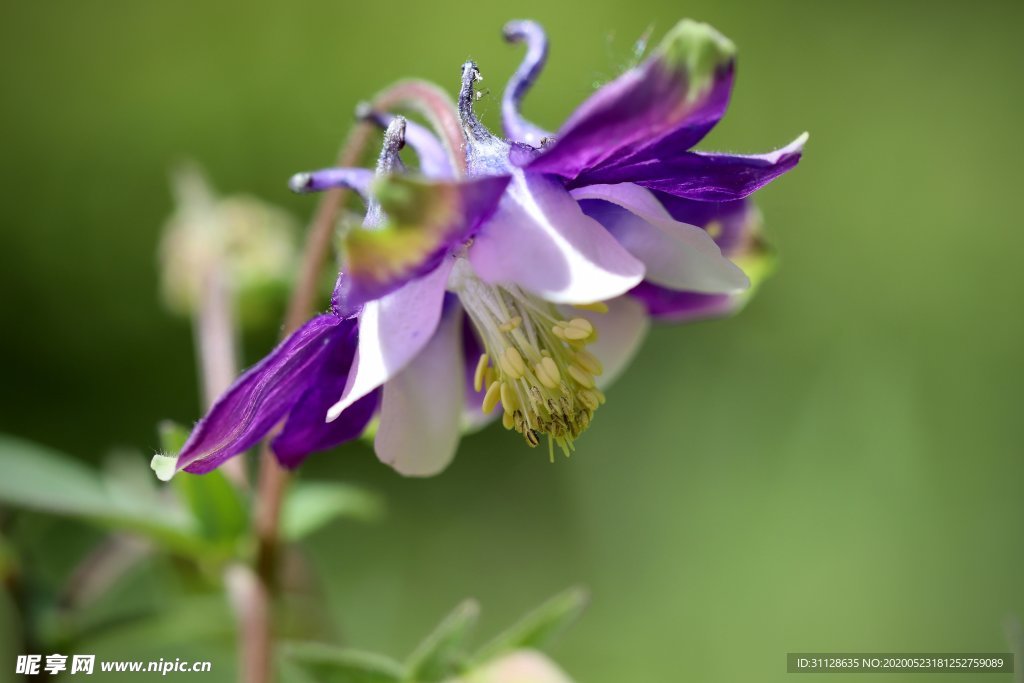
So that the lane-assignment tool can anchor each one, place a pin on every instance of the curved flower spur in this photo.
(526, 282)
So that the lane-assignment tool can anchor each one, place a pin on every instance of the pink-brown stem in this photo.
(217, 346)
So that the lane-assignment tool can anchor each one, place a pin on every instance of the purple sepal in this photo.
(307, 429)
(644, 109)
(261, 397)
(699, 175)
(669, 305)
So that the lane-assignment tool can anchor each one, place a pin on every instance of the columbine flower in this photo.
(512, 279)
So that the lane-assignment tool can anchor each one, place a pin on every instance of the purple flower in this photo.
(527, 283)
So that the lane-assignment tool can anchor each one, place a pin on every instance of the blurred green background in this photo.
(837, 469)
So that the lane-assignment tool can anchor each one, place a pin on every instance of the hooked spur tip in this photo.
(471, 72)
(300, 183)
(517, 30)
(394, 135)
(364, 111)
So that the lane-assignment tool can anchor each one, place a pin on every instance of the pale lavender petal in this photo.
(540, 239)
(702, 176)
(671, 305)
(516, 127)
(674, 254)
(421, 406)
(357, 179)
(392, 330)
(260, 398)
(620, 333)
(306, 431)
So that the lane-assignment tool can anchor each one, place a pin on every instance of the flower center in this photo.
(535, 363)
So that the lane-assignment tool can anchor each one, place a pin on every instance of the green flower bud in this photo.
(247, 243)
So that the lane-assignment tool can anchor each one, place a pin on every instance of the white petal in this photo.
(676, 255)
(541, 239)
(620, 333)
(421, 407)
(392, 330)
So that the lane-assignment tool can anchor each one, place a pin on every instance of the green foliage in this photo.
(40, 478)
(207, 519)
(441, 654)
(335, 665)
(444, 655)
(311, 505)
(217, 507)
(539, 627)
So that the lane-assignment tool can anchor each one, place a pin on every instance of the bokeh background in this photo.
(837, 469)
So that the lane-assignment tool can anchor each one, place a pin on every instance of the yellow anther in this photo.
(600, 395)
(508, 397)
(714, 229)
(597, 307)
(589, 362)
(515, 362)
(574, 330)
(481, 368)
(581, 376)
(507, 421)
(547, 373)
(489, 376)
(583, 325)
(531, 438)
(512, 324)
(589, 399)
(492, 397)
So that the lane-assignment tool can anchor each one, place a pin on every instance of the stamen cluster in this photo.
(535, 364)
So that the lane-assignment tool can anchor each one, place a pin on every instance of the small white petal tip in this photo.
(164, 466)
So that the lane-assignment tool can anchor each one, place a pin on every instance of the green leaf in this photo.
(539, 627)
(43, 479)
(332, 664)
(217, 507)
(311, 505)
(441, 655)
(39, 478)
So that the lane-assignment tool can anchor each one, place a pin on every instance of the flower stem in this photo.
(217, 344)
